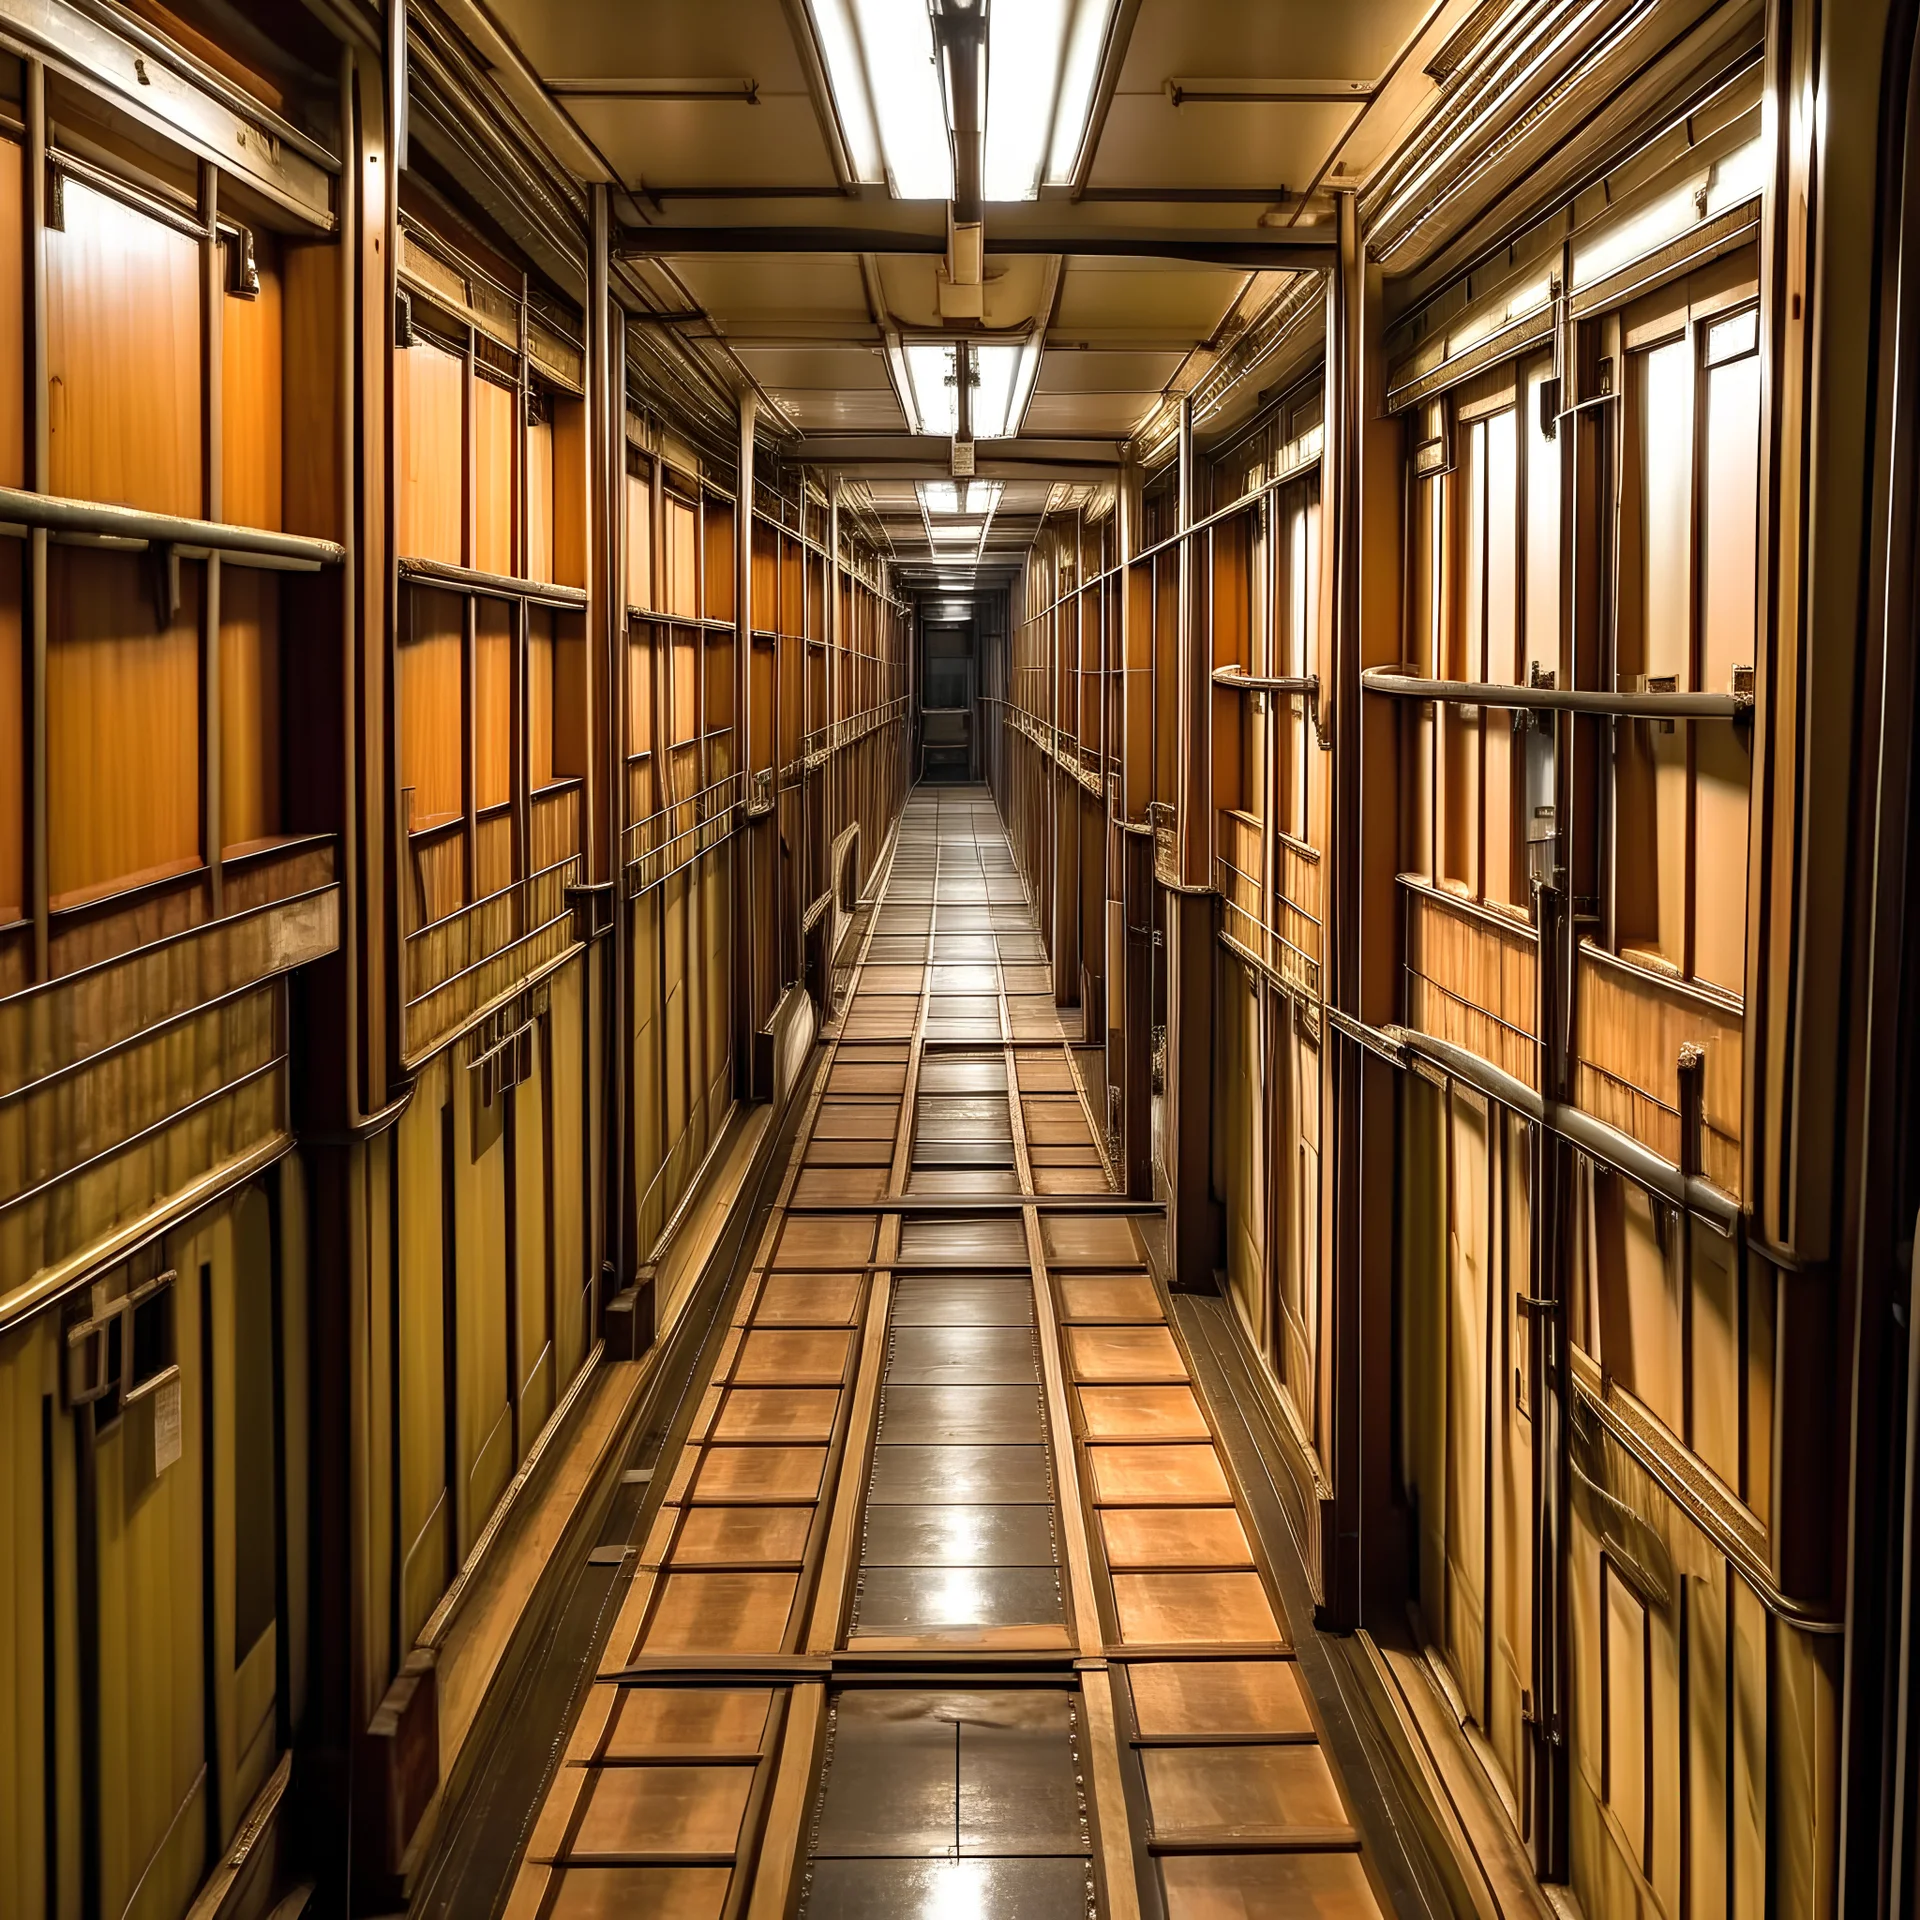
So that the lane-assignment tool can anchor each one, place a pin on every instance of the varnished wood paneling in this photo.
(493, 703)
(310, 439)
(13, 373)
(252, 343)
(123, 726)
(123, 357)
(250, 793)
(13, 756)
(429, 676)
(429, 460)
(495, 409)
(569, 491)
(539, 458)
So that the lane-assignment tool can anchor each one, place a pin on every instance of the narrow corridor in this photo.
(947, 1604)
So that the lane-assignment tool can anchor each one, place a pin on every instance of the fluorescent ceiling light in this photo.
(1043, 65)
(959, 496)
(932, 386)
(1004, 377)
(881, 64)
(957, 533)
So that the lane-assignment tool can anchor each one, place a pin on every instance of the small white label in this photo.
(166, 1425)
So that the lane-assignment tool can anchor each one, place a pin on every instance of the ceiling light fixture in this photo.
(895, 104)
(959, 496)
(1043, 63)
(1003, 384)
(927, 376)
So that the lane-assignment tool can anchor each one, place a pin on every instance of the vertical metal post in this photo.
(743, 929)
(40, 478)
(212, 365)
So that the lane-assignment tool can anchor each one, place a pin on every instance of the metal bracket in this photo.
(403, 318)
(591, 904)
(243, 269)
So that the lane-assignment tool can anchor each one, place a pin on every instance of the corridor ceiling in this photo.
(1228, 122)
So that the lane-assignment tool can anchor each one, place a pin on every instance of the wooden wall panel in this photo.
(425, 1511)
(1629, 1027)
(13, 755)
(152, 1675)
(429, 514)
(252, 389)
(681, 586)
(123, 726)
(250, 790)
(430, 673)
(493, 703)
(310, 427)
(569, 491)
(573, 1275)
(539, 458)
(495, 408)
(13, 375)
(639, 506)
(540, 668)
(123, 357)
(26, 1360)
(1471, 981)
(570, 743)
(484, 1413)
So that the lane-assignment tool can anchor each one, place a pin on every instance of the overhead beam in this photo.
(1261, 249)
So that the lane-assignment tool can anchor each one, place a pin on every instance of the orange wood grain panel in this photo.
(493, 703)
(569, 492)
(430, 759)
(252, 383)
(427, 413)
(13, 816)
(310, 441)
(1471, 982)
(540, 665)
(13, 435)
(123, 726)
(570, 696)
(249, 705)
(494, 409)
(718, 533)
(681, 593)
(539, 458)
(1629, 1026)
(639, 497)
(123, 357)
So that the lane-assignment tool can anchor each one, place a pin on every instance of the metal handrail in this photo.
(21, 510)
(495, 586)
(1401, 684)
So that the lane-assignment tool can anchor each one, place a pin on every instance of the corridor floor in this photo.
(948, 1604)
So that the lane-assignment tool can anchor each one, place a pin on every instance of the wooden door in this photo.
(141, 1490)
(237, 1286)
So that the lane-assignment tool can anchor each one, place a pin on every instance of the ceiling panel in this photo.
(1091, 371)
(1103, 415)
(708, 143)
(823, 366)
(664, 39)
(817, 410)
(1266, 39)
(1130, 297)
(762, 292)
(1149, 142)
